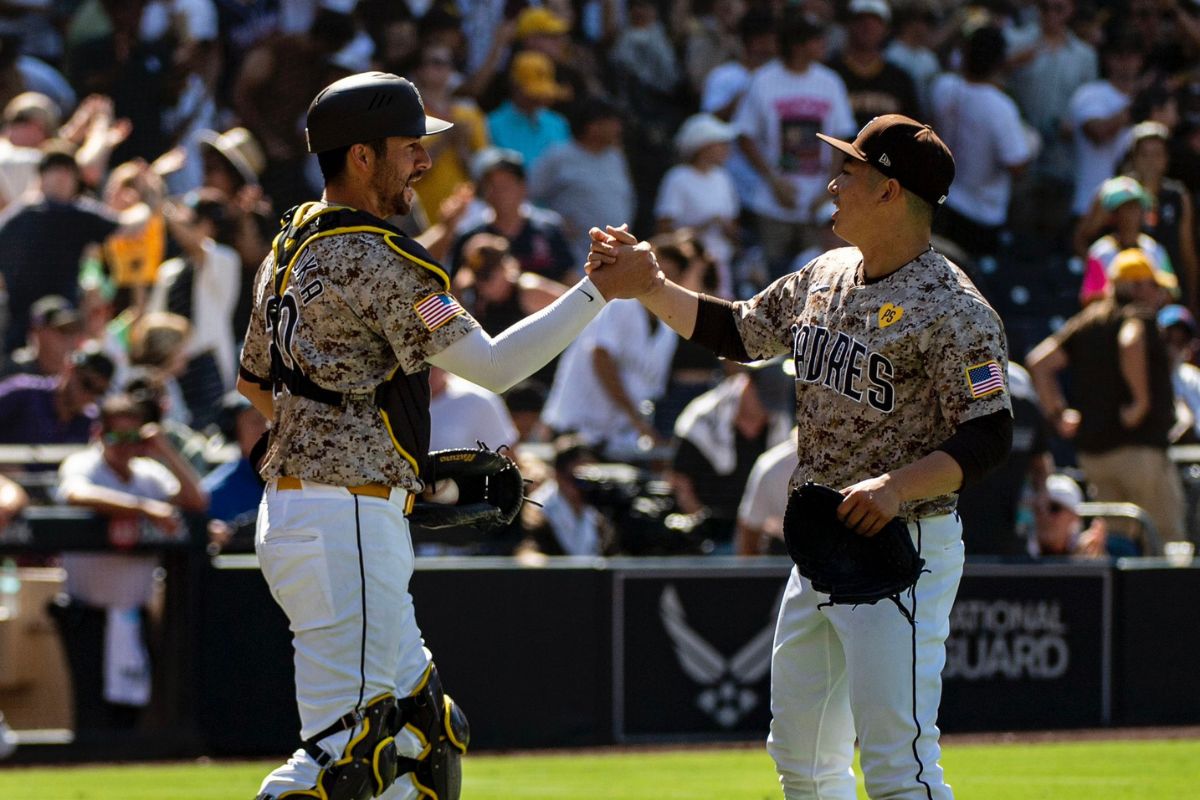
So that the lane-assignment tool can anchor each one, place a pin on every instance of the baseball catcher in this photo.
(474, 488)
(847, 566)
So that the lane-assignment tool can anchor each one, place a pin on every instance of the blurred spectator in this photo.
(277, 80)
(1178, 328)
(587, 178)
(991, 145)
(1100, 118)
(133, 257)
(643, 56)
(120, 478)
(451, 152)
(534, 235)
(713, 38)
(995, 510)
(45, 240)
(787, 102)
(148, 388)
(909, 49)
(721, 434)
(525, 402)
(1170, 219)
(493, 287)
(694, 368)
(525, 123)
(760, 513)
(55, 330)
(463, 414)
(13, 500)
(699, 193)
(1060, 529)
(1121, 204)
(874, 85)
(233, 163)
(1123, 400)
(158, 340)
(234, 488)
(608, 379)
(29, 119)
(726, 84)
(1049, 63)
(201, 286)
(559, 520)
(827, 239)
(55, 409)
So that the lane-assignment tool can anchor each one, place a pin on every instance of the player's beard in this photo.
(395, 192)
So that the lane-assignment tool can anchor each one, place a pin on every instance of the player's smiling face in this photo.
(854, 190)
(405, 160)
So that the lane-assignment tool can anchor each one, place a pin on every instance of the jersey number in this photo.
(282, 319)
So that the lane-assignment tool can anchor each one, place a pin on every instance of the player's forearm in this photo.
(934, 475)
(259, 397)
(524, 348)
(674, 305)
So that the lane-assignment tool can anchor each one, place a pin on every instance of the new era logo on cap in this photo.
(922, 162)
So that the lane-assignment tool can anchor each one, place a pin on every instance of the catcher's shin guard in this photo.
(369, 763)
(442, 727)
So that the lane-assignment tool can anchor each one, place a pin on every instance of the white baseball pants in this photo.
(843, 671)
(339, 565)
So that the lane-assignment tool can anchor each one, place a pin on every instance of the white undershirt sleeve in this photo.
(525, 347)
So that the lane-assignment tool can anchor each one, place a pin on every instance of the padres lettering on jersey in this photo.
(844, 364)
(886, 370)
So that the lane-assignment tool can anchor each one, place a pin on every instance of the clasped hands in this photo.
(620, 266)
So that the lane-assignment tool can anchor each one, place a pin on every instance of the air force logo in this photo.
(726, 694)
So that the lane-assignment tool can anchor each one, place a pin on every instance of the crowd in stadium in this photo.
(148, 149)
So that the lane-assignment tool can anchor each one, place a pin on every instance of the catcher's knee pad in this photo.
(369, 762)
(432, 716)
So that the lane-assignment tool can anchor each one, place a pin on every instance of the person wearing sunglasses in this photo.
(1059, 528)
(55, 409)
(137, 481)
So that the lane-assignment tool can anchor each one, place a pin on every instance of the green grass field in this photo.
(1107, 770)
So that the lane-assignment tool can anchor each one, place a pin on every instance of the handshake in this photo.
(620, 266)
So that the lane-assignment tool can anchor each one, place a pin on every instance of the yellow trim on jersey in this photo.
(422, 789)
(434, 268)
(387, 424)
(317, 792)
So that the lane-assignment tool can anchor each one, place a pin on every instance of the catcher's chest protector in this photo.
(402, 400)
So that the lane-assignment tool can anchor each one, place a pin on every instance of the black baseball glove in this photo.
(490, 490)
(849, 567)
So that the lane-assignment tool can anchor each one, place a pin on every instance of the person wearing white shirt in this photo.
(699, 193)
(465, 415)
(1100, 120)
(202, 286)
(606, 377)
(760, 514)
(787, 102)
(991, 145)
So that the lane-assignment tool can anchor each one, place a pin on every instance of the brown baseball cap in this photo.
(904, 149)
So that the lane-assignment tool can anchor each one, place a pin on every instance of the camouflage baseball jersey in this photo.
(885, 371)
(364, 308)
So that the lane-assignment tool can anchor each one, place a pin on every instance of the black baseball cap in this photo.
(904, 149)
(366, 107)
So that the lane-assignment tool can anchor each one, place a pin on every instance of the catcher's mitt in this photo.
(849, 567)
(490, 490)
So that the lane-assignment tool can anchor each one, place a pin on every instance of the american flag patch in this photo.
(438, 309)
(985, 378)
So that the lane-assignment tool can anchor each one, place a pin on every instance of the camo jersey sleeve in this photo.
(765, 320)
